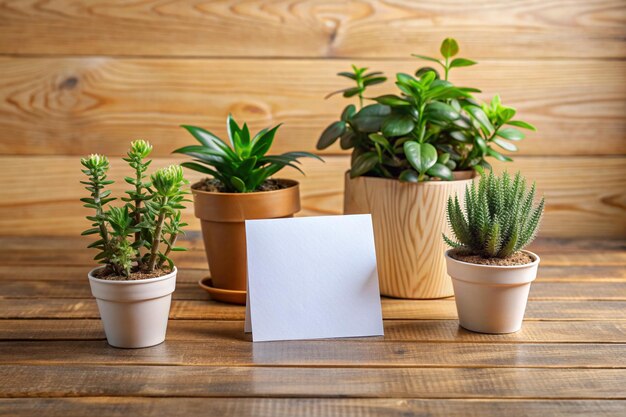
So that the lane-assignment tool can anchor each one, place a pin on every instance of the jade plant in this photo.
(428, 130)
(243, 166)
(499, 217)
(139, 235)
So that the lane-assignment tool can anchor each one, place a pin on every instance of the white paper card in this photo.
(312, 278)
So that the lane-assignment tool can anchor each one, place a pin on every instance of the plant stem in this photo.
(138, 205)
(170, 244)
(100, 213)
(156, 239)
(446, 69)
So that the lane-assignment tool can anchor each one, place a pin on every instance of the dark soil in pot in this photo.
(215, 186)
(518, 258)
(134, 276)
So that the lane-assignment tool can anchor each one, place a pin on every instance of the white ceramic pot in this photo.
(134, 313)
(490, 298)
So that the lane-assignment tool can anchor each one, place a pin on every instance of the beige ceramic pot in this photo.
(408, 220)
(490, 298)
(134, 313)
(222, 217)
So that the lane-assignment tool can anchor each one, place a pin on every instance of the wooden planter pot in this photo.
(222, 217)
(408, 219)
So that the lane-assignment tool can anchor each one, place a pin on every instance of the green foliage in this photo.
(498, 219)
(139, 150)
(130, 237)
(243, 166)
(428, 130)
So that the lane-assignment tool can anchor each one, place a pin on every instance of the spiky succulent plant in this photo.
(498, 219)
(244, 166)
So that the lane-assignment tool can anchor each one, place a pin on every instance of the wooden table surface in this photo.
(569, 358)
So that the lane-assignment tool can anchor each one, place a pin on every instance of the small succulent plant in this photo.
(427, 130)
(244, 166)
(130, 237)
(498, 219)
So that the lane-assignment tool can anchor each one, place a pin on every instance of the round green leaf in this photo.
(460, 136)
(408, 175)
(331, 134)
(363, 163)
(505, 145)
(370, 118)
(441, 112)
(443, 158)
(424, 70)
(378, 138)
(348, 139)
(449, 48)
(348, 112)
(398, 125)
(421, 156)
(440, 171)
(480, 117)
(510, 133)
(391, 100)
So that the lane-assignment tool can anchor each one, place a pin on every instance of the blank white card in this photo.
(312, 278)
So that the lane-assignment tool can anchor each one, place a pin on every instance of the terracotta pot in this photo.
(134, 313)
(222, 217)
(408, 220)
(490, 298)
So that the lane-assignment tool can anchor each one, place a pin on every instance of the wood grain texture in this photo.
(577, 206)
(312, 407)
(603, 279)
(77, 106)
(41, 252)
(200, 381)
(568, 359)
(34, 288)
(439, 331)
(369, 353)
(373, 28)
(406, 219)
(444, 309)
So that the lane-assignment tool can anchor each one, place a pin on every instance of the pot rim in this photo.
(414, 183)
(501, 267)
(293, 183)
(131, 282)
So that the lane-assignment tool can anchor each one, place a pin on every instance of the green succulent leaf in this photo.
(363, 164)
(462, 62)
(442, 112)
(421, 156)
(449, 48)
(331, 134)
(391, 100)
(510, 133)
(522, 124)
(397, 125)
(440, 170)
(370, 118)
(408, 175)
(348, 112)
(479, 115)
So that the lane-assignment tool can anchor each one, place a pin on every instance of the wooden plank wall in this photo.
(88, 76)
